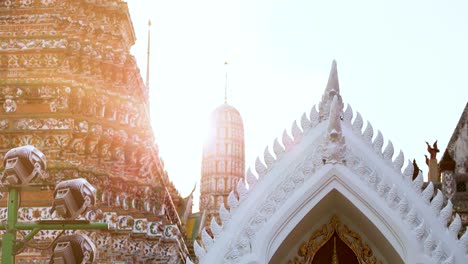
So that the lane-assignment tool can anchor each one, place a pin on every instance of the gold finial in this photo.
(335, 256)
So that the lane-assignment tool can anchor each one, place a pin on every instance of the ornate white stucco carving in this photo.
(408, 172)
(334, 145)
(314, 117)
(436, 203)
(287, 141)
(368, 133)
(215, 228)
(398, 161)
(348, 115)
(224, 214)
(278, 149)
(241, 190)
(269, 159)
(207, 239)
(446, 213)
(199, 251)
(305, 122)
(428, 192)
(250, 177)
(455, 226)
(378, 143)
(260, 168)
(296, 132)
(357, 127)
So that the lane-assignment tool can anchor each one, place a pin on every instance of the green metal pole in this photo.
(35, 227)
(20, 244)
(8, 239)
(58, 225)
(9, 245)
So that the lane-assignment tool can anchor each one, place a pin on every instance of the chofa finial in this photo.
(433, 173)
(332, 89)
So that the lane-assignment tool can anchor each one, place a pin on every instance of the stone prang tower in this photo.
(223, 162)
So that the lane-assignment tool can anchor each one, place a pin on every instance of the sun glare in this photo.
(279, 56)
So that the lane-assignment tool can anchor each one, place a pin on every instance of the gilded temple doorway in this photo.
(334, 243)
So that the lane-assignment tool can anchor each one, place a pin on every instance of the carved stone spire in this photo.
(332, 89)
(334, 146)
(333, 83)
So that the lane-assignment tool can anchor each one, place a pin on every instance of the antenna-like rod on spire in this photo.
(148, 55)
(225, 83)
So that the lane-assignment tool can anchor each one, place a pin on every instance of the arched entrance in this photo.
(336, 218)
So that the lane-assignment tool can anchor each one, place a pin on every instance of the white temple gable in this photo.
(331, 169)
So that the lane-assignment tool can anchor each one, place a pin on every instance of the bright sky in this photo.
(402, 64)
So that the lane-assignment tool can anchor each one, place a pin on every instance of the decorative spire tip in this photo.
(332, 89)
(148, 55)
(225, 82)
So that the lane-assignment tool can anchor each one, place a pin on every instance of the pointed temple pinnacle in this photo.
(225, 83)
(148, 54)
(333, 84)
(332, 89)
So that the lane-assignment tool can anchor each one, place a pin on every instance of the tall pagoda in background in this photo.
(70, 87)
(223, 163)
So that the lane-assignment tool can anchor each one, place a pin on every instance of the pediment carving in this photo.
(333, 139)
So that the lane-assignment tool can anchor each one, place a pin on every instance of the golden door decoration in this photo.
(353, 240)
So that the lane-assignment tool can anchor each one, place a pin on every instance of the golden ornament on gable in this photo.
(308, 249)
